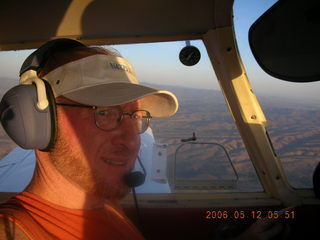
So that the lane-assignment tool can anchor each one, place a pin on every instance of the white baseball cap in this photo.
(107, 80)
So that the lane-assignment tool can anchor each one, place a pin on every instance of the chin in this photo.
(110, 191)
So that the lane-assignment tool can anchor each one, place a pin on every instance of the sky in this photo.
(159, 62)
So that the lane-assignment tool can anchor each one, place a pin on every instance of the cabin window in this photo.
(7, 145)
(292, 109)
(11, 62)
(217, 160)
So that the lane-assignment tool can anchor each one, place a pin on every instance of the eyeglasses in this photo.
(108, 119)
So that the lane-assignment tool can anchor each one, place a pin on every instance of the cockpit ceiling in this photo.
(27, 24)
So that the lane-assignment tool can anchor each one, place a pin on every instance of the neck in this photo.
(49, 184)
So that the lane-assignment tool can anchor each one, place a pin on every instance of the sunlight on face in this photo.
(95, 160)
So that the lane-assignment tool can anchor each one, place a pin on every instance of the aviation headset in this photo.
(27, 111)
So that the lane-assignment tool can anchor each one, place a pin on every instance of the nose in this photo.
(127, 133)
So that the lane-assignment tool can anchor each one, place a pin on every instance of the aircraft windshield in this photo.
(292, 109)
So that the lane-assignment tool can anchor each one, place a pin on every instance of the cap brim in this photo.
(159, 103)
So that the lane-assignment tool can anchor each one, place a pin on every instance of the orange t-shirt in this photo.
(71, 224)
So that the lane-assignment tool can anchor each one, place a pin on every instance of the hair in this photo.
(63, 57)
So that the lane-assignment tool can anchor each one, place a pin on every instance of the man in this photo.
(101, 110)
(77, 184)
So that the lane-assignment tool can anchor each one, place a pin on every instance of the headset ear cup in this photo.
(27, 125)
(53, 117)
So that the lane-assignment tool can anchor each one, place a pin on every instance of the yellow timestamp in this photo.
(254, 214)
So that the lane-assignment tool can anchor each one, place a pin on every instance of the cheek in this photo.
(84, 136)
(138, 143)
(77, 126)
(90, 137)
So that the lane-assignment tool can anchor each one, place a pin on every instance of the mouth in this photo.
(118, 163)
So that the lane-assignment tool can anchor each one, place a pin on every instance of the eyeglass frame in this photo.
(119, 121)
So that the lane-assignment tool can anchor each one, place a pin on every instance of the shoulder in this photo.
(10, 231)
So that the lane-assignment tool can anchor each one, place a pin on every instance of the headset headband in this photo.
(38, 59)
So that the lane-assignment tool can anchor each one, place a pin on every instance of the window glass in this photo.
(9, 78)
(200, 165)
(292, 109)
(6, 143)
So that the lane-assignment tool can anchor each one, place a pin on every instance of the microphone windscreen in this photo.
(134, 179)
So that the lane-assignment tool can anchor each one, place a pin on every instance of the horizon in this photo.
(260, 95)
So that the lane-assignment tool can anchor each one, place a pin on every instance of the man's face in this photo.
(95, 160)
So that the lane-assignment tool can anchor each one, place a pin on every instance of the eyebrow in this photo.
(76, 105)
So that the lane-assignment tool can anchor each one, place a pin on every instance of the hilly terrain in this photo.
(293, 126)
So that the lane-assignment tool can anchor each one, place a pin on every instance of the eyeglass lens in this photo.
(109, 119)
